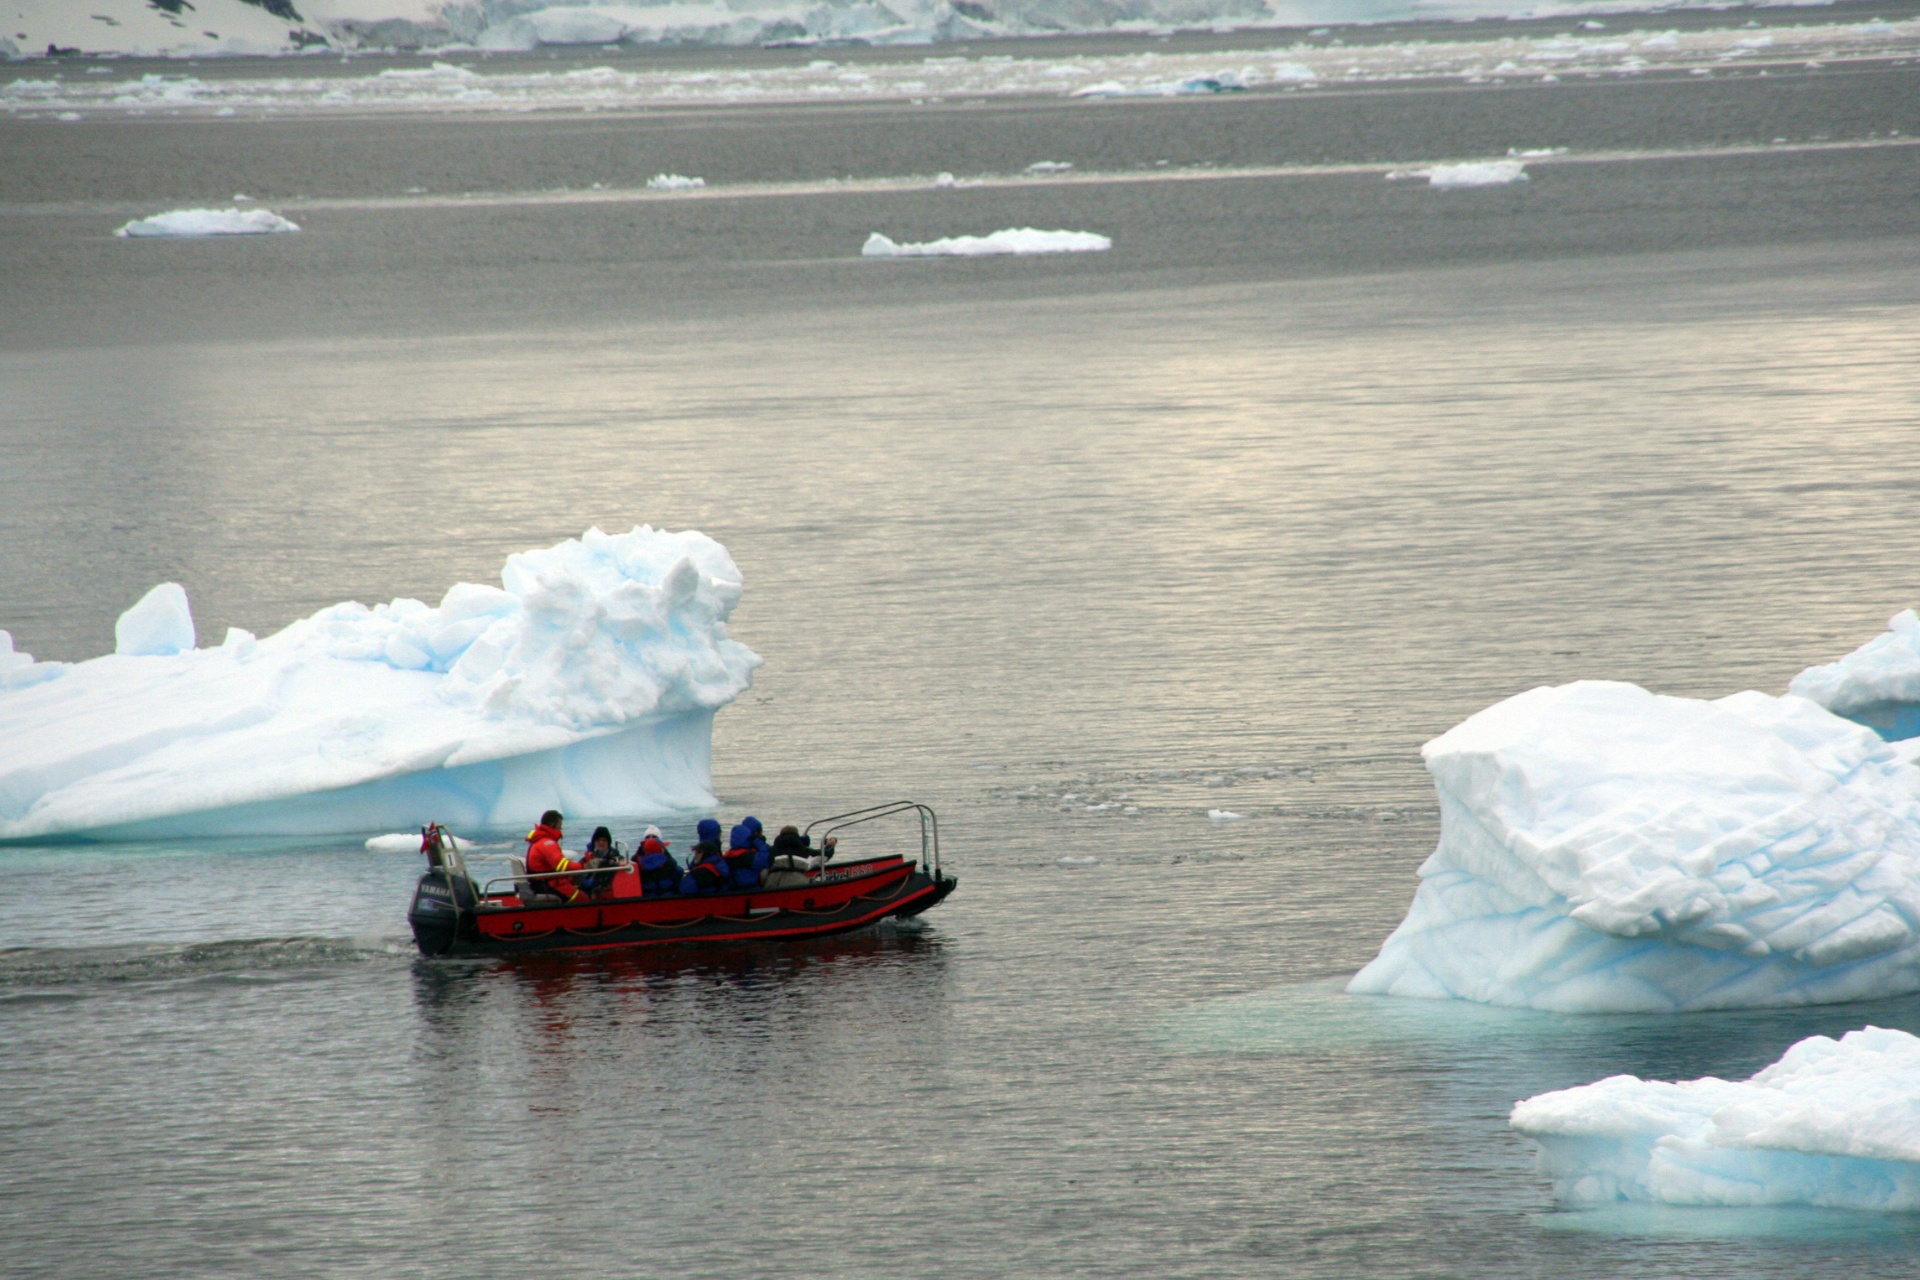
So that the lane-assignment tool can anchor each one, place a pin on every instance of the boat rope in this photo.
(899, 888)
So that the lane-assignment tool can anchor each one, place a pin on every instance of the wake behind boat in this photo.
(509, 916)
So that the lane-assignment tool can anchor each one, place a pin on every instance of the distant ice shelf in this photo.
(587, 681)
(463, 76)
(1834, 1123)
(1603, 848)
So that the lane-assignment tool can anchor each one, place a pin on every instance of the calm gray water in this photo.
(1302, 472)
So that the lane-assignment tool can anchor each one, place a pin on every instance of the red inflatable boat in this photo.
(451, 916)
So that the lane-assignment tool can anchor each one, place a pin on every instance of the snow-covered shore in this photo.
(459, 39)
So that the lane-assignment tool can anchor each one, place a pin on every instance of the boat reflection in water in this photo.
(672, 1032)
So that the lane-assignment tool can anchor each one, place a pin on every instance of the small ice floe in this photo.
(409, 842)
(1223, 83)
(1088, 861)
(1049, 166)
(1021, 240)
(945, 179)
(185, 223)
(1483, 173)
(674, 182)
(1830, 1124)
(1223, 815)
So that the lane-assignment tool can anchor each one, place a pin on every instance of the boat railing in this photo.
(929, 827)
(486, 890)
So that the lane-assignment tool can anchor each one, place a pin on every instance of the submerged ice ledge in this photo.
(1834, 1123)
(1603, 848)
(588, 680)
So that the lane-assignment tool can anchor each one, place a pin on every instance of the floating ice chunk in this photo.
(1021, 240)
(1088, 861)
(1223, 815)
(587, 681)
(674, 182)
(438, 71)
(1226, 82)
(1484, 173)
(409, 842)
(1834, 1123)
(1606, 849)
(1049, 166)
(207, 222)
(161, 624)
(1877, 684)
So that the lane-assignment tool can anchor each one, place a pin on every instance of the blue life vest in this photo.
(747, 854)
(659, 874)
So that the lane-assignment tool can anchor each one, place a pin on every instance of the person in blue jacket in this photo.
(659, 873)
(748, 855)
(707, 866)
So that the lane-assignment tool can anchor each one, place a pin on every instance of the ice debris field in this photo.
(588, 680)
(60, 90)
(1834, 1123)
(188, 223)
(1603, 848)
(1016, 240)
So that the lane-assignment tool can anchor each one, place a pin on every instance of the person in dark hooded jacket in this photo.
(601, 852)
(748, 856)
(707, 865)
(791, 844)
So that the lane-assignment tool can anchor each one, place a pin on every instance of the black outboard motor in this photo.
(444, 899)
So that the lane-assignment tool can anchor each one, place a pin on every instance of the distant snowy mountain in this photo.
(193, 28)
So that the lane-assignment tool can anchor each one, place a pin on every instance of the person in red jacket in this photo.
(544, 854)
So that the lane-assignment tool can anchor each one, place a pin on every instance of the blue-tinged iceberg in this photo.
(1877, 684)
(587, 681)
(1834, 1123)
(1603, 848)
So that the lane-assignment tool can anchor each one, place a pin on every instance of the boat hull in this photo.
(449, 919)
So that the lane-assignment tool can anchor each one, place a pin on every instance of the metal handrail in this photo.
(929, 826)
(486, 889)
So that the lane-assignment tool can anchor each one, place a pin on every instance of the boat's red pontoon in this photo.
(507, 916)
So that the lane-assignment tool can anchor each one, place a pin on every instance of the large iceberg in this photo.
(1834, 1123)
(1603, 848)
(587, 681)
(1877, 684)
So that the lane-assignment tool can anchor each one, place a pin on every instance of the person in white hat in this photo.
(659, 873)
